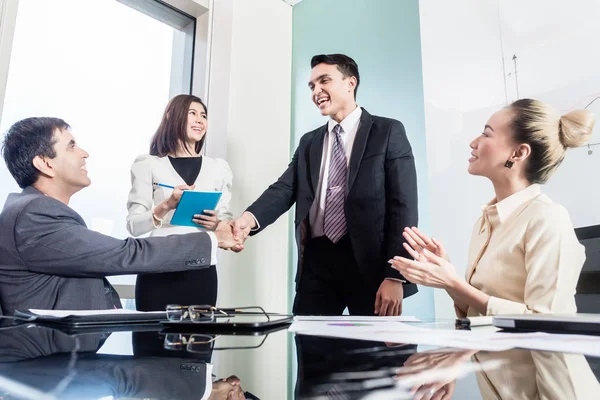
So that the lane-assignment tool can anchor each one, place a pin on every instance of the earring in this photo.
(509, 164)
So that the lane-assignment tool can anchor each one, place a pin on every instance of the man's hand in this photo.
(227, 389)
(388, 301)
(241, 227)
(224, 234)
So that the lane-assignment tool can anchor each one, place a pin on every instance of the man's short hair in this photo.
(24, 141)
(346, 65)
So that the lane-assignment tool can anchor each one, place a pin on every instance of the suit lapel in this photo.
(315, 157)
(360, 143)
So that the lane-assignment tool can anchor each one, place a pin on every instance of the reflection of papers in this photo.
(340, 327)
(399, 332)
(579, 344)
(87, 313)
(356, 318)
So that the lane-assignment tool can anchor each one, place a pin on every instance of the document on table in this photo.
(399, 332)
(356, 318)
(87, 313)
(335, 327)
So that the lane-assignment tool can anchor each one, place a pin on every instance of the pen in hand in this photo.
(163, 185)
(171, 202)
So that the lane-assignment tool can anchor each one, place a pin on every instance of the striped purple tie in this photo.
(335, 218)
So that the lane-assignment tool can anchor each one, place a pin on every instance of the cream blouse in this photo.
(524, 254)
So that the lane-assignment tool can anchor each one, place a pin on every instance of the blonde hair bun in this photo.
(576, 128)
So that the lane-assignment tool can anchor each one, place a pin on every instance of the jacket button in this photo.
(309, 198)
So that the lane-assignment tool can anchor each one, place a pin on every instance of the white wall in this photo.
(464, 43)
(559, 63)
(249, 111)
(219, 72)
(8, 17)
(256, 125)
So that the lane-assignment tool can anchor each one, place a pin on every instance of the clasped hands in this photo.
(232, 234)
(430, 265)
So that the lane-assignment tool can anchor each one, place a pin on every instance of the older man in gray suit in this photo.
(49, 259)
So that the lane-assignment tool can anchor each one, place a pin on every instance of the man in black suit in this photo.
(338, 368)
(355, 188)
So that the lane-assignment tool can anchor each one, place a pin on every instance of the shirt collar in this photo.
(513, 203)
(349, 123)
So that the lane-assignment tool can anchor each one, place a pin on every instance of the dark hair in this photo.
(27, 139)
(346, 65)
(172, 128)
(548, 134)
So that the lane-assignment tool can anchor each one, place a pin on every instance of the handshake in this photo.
(231, 235)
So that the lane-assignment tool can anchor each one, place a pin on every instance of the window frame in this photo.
(192, 17)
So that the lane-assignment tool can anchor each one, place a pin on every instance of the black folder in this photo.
(584, 324)
(95, 317)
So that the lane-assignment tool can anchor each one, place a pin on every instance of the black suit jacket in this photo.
(382, 194)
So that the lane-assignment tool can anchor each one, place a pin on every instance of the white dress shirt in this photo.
(349, 127)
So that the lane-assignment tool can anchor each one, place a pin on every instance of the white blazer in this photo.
(215, 176)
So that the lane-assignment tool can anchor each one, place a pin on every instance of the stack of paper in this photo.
(390, 331)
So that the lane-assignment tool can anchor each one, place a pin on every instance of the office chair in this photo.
(588, 286)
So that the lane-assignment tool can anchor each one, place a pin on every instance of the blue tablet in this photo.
(194, 203)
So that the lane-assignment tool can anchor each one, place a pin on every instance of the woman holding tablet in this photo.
(175, 161)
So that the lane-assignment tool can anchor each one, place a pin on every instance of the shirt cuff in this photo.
(255, 221)
(213, 248)
(395, 279)
(498, 306)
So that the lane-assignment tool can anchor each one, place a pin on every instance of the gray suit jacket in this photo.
(49, 259)
(40, 358)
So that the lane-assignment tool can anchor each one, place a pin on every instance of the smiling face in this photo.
(493, 147)
(197, 123)
(332, 92)
(68, 166)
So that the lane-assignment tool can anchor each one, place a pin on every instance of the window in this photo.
(108, 69)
